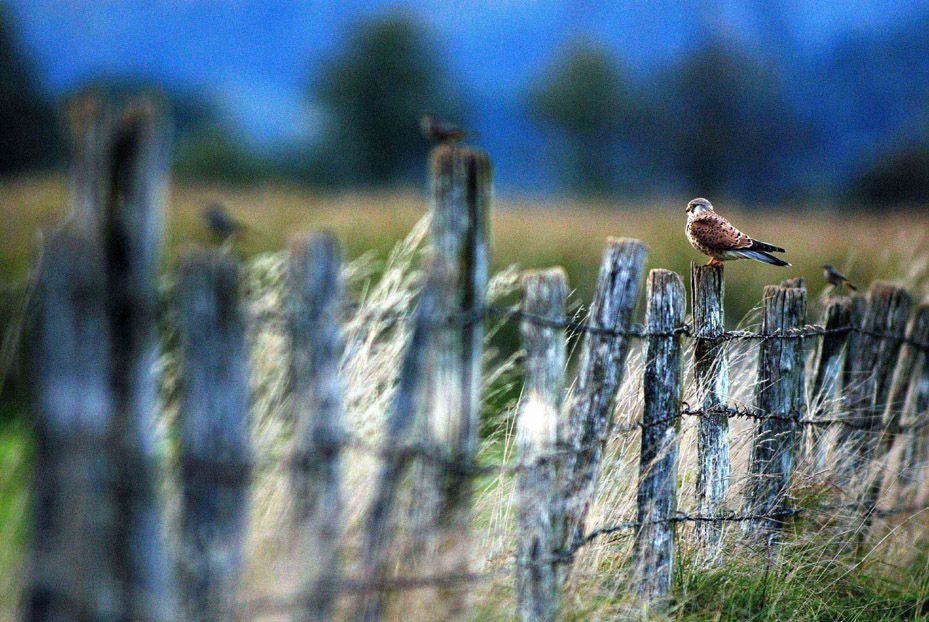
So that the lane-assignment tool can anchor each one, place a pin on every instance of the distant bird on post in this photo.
(712, 235)
(439, 131)
(836, 278)
(221, 224)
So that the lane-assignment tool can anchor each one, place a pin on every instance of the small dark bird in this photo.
(439, 131)
(836, 278)
(221, 223)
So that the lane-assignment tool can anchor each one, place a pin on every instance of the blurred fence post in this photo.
(73, 574)
(214, 436)
(778, 400)
(711, 375)
(90, 132)
(133, 232)
(653, 551)
(825, 371)
(868, 383)
(461, 187)
(540, 432)
(600, 374)
(409, 401)
(316, 351)
(916, 421)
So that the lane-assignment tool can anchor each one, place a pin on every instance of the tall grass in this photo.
(815, 574)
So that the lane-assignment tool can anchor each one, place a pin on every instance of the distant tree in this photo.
(586, 98)
(387, 74)
(29, 132)
(901, 178)
(729, 125)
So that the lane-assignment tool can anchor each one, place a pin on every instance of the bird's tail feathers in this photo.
(765, 247)
(850, 286)
(763, 257)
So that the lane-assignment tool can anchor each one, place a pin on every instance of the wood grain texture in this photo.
(600, 374)
(711, 376)
(653, 550)
(778, 391)
(540, 431)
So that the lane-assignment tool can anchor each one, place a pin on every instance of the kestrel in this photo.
(836, 278)
(437, 130)
(712, 235)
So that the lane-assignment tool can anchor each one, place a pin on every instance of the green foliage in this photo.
(587, 98)
(387, 74)
(730, 126)
(903, 177)
(29, 133)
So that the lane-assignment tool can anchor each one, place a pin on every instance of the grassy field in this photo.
(812, 583)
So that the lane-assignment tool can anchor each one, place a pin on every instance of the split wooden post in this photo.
(916, 420)
(653, 551)
(778, 399)
(600, 374)
(540, 433)
(870, 372)
(711, 375)
(74, 510)
(316, 350)
(917, 332)
(825, 372)
(214, 435)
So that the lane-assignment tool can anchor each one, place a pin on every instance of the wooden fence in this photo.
(98, 551)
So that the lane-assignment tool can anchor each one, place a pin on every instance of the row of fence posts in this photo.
(96, 340)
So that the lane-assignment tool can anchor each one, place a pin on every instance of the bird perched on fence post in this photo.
(221, 224)
(439, 131)
(714, 236)
(836, 278)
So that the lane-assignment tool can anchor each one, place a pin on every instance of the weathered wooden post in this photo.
(917, 332)
(868, 383)
(653, 551)
(778, 398)
(825, 372)
(540, 432)
(409, 401)
(90, 133)
(214, 435)
(73, 574)
(316, 350)
(711, 375)
(916, 421)
(600, 373)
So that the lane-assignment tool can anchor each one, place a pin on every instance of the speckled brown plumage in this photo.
(714, 236)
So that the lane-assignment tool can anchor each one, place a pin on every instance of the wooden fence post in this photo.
(711, 375)
(825, 372)
(778, 399)
(316, 351)
(90, 133)
(74, 510)
(916, 420)
(868, 383)
(917, 331)
(653, 552)
(540, 432)
(214, 435)
(409, 400)
(600, 373)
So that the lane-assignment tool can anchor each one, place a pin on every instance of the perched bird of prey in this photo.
(836, 278)
(220, 222)
(439, 131)
(712, 235)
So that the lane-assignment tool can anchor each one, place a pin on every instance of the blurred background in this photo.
(807, 123)
(760, 100)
